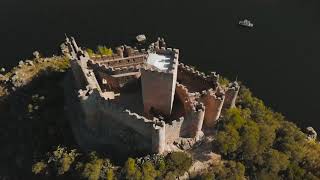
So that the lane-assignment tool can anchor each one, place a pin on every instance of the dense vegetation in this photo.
(265, 143)
(63, 163)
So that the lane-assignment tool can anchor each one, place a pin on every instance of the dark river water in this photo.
(278, 59)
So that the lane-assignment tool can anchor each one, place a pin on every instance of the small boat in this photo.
(246, 23)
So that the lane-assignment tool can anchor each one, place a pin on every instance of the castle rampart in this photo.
(127, 100)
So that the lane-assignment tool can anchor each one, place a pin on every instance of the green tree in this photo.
(92, 169)
(131, 170)
(110, 174)
(149, 171)
(178, 162)
(62, 158)
(226, 170)
(103, 50)
(275, 161)
(90, 52)
(250, 134)
(161, 166)
(227, 141)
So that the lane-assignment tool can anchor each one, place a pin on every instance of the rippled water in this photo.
(278, 58)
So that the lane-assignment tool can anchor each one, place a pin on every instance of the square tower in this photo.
(158, 80)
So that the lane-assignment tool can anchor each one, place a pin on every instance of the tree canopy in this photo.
(265, 143)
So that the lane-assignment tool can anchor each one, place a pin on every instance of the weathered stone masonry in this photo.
(142, 100)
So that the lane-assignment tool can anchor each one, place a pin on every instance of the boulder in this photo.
(141, 38)
(36, 54)
(29, 62)
(311, 133)
(21, 63)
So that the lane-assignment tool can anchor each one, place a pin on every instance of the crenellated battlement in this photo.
(185, 97)
(111, 70)
(89, 96)
(125, 57)
(218, 95)
(192, 70)
(100, 67)
(195, 80)
(188, 99)
(213, 101)
(173, 60)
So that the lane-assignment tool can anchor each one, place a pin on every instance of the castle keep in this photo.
(141, 100)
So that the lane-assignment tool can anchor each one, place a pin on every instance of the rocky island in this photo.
(129, 113)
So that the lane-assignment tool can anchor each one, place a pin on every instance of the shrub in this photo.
(178, 162)
(39, 167)
(149, 171)
(131, 170)
(110, 174)
(225, 170)
(61, 159)
(90, 52)
(103, 50)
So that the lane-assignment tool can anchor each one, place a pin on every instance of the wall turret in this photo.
(213, 100)
(120, 51)
(231, 95)
(159, 138)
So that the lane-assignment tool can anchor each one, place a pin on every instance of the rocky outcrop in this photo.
(311, 133)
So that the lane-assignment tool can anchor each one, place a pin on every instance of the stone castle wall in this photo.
(114, 78)
(174, 130)
(194, 80)
(80, 79)
(184, 95)
(125, 56)
(128, 61)
(194, 112)
(113, 70)
(103, 133)
(100, 112)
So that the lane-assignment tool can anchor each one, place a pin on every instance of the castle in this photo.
(141, 100)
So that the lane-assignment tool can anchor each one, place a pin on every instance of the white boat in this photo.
(246, 23)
